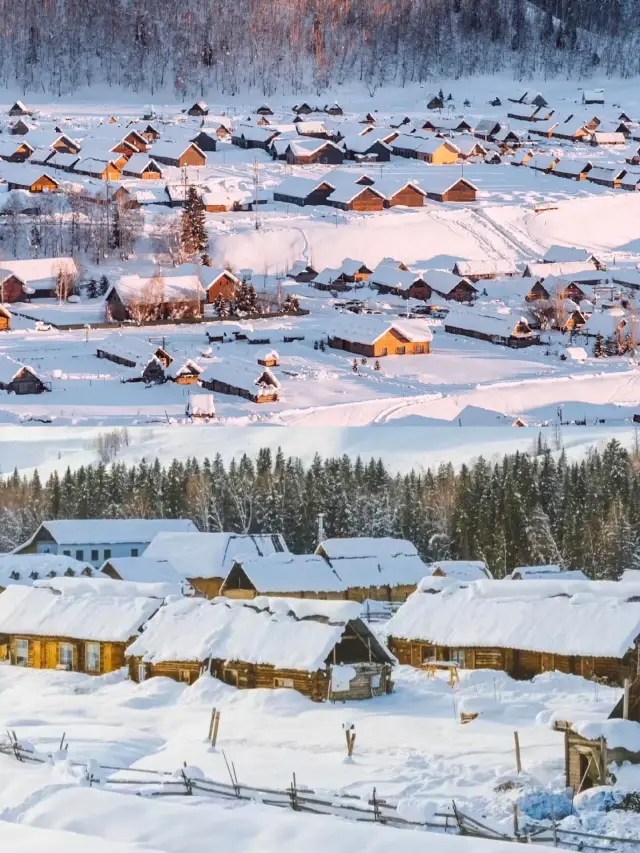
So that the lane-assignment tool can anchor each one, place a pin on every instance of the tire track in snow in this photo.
(525, 252)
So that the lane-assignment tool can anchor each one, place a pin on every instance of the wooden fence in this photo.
(158, 783)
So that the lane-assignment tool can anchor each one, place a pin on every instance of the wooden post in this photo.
(516, 828)
(350, 735)
(516, 740)
(567, 759)
(213, 726)
(625, 701)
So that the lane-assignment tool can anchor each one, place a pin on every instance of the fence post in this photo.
(213, 726)
(516, 739)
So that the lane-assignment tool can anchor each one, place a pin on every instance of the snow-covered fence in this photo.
(190, 781)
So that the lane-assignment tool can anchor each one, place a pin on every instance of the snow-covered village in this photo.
(319, 426)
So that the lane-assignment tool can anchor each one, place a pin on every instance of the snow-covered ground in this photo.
(410, 746)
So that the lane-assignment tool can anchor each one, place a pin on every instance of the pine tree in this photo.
(193, 236)
(92, 289)
(115, 240)
(103, 285)
(221, 307)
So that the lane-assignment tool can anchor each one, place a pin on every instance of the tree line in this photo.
(525, 509)
(306, 45)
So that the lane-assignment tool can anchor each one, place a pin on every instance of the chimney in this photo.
(320, 527)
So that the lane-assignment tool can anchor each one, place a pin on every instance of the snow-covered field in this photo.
(410, 746)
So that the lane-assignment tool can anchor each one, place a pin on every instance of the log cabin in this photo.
(380, 569)
(130, 351)
(218, 282)
(19, 379)
(23, 280)
(322, 649)
(485, 269)
(78, 625)
(199, 109)
(283, 575)
(241, 380)
(206, 140)
(205, 559)
(24, 176)
(247, 136)
(17, 152)
(574, 170)
(453, 288)
(442, 188)
(401, 193)
(376, 337)
(460, 570)
(505, 329)
(5, 319)
(435, 102)
(143, 167)
(369, 146)
(390, 278)
(177, 294)
(188, 373)
(306, 152)
(606, 177)
(303, 191)
(356, 197)
(19, 109)
(302, 109)
(200, 407)
(264, 110)
(269, 359)
(103, 169)
(587, 628)
(178, 154)
(301, 271)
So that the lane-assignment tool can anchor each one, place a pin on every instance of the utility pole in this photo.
(256, 193)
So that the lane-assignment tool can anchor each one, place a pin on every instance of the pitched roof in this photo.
(296, 634)
(83, 614)
(599, 618)
(367, 329)
(285, 572)
(109, 531)
(368, 561)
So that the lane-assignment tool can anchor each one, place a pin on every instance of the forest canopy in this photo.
(195, 46)
(526, 509)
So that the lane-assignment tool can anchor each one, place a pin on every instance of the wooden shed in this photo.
(524, 628)
(447, 190)
(178, 154)
(19, 109)
(357, 197)
(283, 574)
(258, 385)
(322, 649)
(17, 378)
(199, 109)
(80, 625)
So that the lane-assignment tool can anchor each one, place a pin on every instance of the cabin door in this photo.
(142, 672)
(51, 655)
(38, 654)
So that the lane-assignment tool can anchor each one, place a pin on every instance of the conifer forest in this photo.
(526, 509)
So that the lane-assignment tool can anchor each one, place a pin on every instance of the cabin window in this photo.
(428, 653)
(457, 656)
(67, 553)
(384, 351)
(283, 682)
(401, 350)
(93, 657)
(66, 655)
(134, 552)
(230, 676)
(22, 653)
(95, 556)
(80, 554)
(185, 676)
(419, 349)
(107, 553)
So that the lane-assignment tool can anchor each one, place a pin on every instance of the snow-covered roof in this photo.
(589, 618)
(305, 147)
(435, 180)
(25, 569)
(611, 138)
(172, 150)
(258, 380)
(605, 174)
(109, 531)
(209, 555)
(461, 570)
(442, 280)
(367, 329)
(255, 133)
(550, 572)
(543, 270)
(129, 347)
(22, 174)
(163, 288)
(368, 561)
(82, 614)
(631, 576)
(143, 570)
(285, 572)
(389, 275)
(137, 163)
(360, 144)
(618, 733)
(486, 266)
(570, 167)
(38, 273)
(262, 631)
(201, 405)
(567, 254)
(499, 323)
(297, 187)
(605, 323)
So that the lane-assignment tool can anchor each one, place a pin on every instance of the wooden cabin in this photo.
(29, 178)
(20, 379)
(264, 110)
(19, 109)
(201, 407)
(305, 152)
(269, 359)
(357, 198)
(377, 337)
(178, 154)
(240, 380)
(578, 627)
(199, 109)
(435, 102)
(375, 568)
(26, 569)
(143, 167)
(79, 625)
(130, 351)
(206, 140)
(273, 643)
(104, 170)
(284, 574)
(459, 191)
(188, 373)
(410, 195)
(5, 319)
(219, 283)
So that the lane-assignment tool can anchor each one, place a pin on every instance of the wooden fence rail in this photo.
(158, 783)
